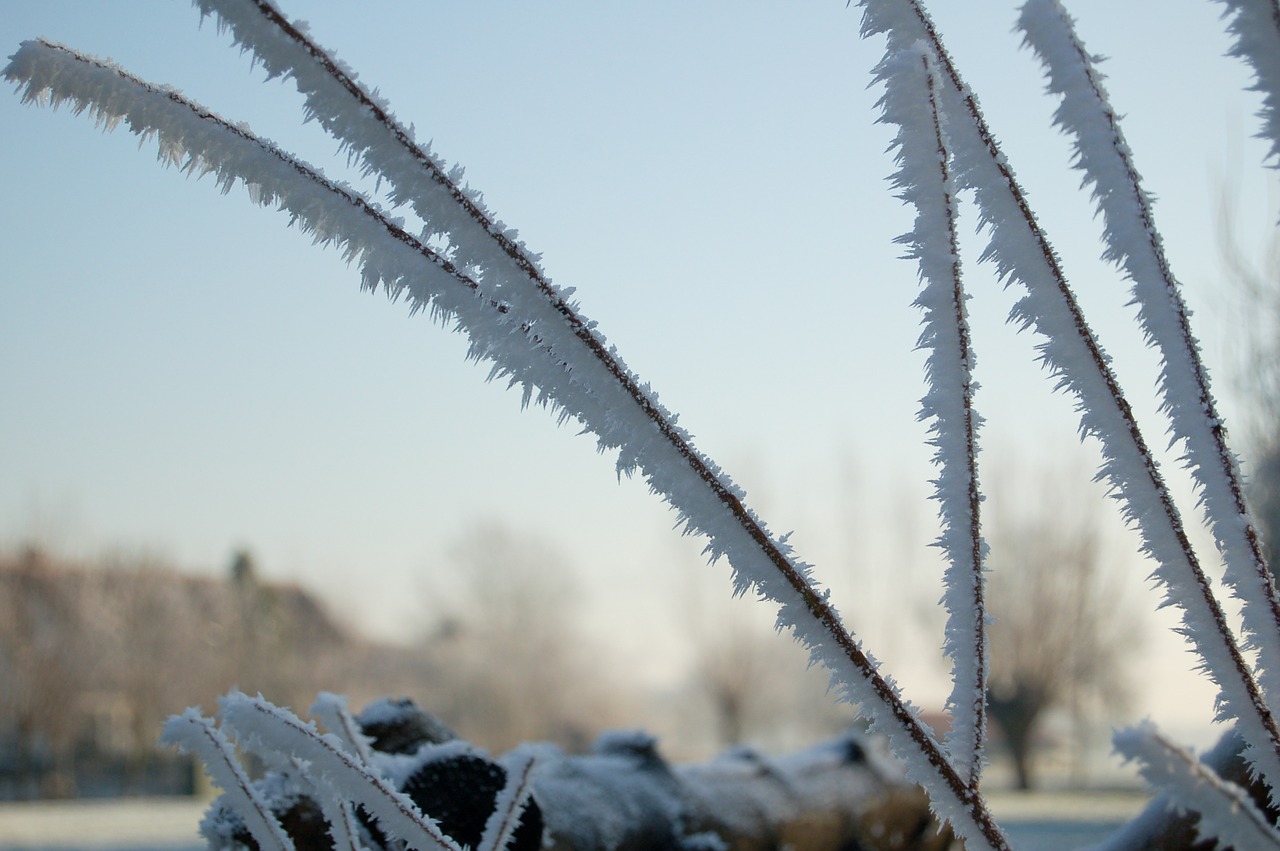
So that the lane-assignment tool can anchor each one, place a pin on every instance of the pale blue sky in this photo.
(182, 373)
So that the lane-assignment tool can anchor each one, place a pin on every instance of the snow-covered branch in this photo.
(1134, 244)
(193, 733)
(1256, 27)
(1074, 357)
(272, 733)
(541, 342)
(510, 802)
(1226, 811)
(924, 180)
(469, 269)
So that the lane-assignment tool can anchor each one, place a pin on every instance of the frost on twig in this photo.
(510, 802)
(193, 733)
(1226, 812)
(271, 732)
(837, 795)
(1074, 357)
(1256, 27)
(331, 710)
(536, 339)
(924, 179)
(532, 334)
(1134, 244)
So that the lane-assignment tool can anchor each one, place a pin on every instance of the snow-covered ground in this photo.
(140, 824)
(1044, 821)
(1057, 821)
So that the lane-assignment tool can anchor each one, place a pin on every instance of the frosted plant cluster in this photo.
(470, 270)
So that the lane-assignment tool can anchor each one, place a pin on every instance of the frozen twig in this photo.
(331, 710)
(540, 342)
(1134, 243)
(510, 802)
(1227, 813)
(1256, 27)
(271, 731)
(924, 179)
(1073, 355)
(362, 123)
(193, 733)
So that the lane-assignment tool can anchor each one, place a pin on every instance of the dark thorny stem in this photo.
(1123, 408)
(814, 601)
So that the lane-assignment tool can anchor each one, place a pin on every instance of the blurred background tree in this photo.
(1062, 638)
(1255, 279)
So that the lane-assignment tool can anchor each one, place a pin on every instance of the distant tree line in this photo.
(93, 659)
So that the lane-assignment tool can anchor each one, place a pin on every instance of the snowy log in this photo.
(622, 795)
(1163, 824)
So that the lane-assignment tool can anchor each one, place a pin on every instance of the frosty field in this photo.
(1047, 821)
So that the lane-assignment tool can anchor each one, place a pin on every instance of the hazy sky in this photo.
(183, 374)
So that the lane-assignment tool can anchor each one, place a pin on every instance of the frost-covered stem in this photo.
(509, 803)
(1134, 243)
(912, 101)
(348, 125)
(1227, 812)
(366, 130)
(1256, 27)
(338, 813)
(191, 732)
(970, 618)
(268, 730)
(1074, 356)
(713, 506)
(332, 710)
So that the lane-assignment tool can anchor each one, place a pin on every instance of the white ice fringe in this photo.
(192, 733)
(364, 126)
(543, 344)
(369, 132)
(1134, 244)
(1074, 357)
(925, 181)
(510, 802)
(270, 731)
(1256, 27)
(331, 710)
(1226, 812)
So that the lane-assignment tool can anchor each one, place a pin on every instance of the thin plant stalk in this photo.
(925, 180)
(1073, 354)
(733, 529)
(1133, 242)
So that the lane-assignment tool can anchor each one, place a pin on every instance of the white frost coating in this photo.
(191, 732)
(1134, 244)
(1256, 27)
(1074, 357)
(366, 128)
(331, 710)
(268, 731)
(537, 342)
(510, 801)
(924, 180)
(1226, 811)
(540, 343)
